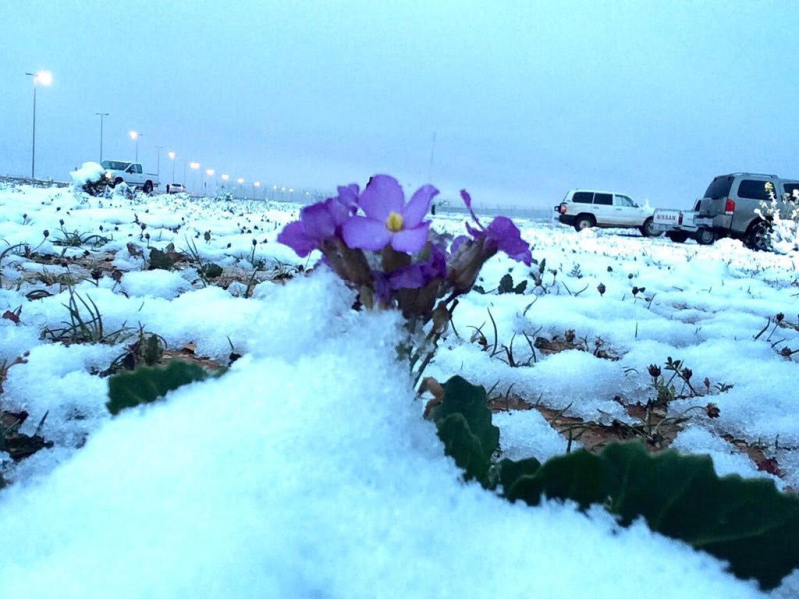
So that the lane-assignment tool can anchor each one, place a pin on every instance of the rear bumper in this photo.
(566, 219)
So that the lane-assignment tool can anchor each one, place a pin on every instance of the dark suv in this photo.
(730, 203)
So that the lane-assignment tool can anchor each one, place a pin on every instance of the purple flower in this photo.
(500, 235)
(317, 222)
(348, 196)
(467, 199)
(388, 219)
(503, 235)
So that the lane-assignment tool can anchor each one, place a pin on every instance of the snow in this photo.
(307, 470)
(89, 171)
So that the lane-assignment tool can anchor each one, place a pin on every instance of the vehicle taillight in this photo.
(679, 220)
(563, 208)
(729, 206)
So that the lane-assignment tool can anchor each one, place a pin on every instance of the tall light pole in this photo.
(255, 186)
(196, 166)
(101, 115)
(135, 135)
(210, 173)
(240, 180)
(158, 167)
(45, 78)
(172, 158)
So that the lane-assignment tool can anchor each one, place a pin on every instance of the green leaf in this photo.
(507, 472)
(160, 260)
(211, 270)
(145, 384)
(748, 523)
(462, 445)
(578, 476)
(745, 522)
(471, 438)
(505, 284)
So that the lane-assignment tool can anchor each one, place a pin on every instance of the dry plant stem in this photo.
(432, 339)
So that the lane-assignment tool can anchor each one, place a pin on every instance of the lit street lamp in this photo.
(255, 186)
(101, 115)
(196, 166)
(135, 135)
(172, 158)
(43, 78)
(240, 180)
(210, 173)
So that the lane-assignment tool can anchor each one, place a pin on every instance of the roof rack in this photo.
(755, 174)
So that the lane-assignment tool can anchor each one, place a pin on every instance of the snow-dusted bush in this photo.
(782, 235)
(90, 178)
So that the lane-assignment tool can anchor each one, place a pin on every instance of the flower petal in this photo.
(348, 195)
(318, 221)
(364, 233)
(407, 277)
(294, 236)
(412, 240)
(502, 234)
(417, 208)
(467, 199)
(338, 211)
(382, 196)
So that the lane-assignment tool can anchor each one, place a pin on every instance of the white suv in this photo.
(583, 208)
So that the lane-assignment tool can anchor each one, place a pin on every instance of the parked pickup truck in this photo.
(732, 207)
(131, 173)
(681, 225)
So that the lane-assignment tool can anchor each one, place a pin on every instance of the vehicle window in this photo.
(719, 188)
(583, 197)
(603, 199)
(792, 191)
(624, 201)
(138, 168)
(114, 165)
(753, 190)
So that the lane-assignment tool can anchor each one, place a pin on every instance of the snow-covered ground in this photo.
(307, 469)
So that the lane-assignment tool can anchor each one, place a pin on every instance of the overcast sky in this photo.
(526, 99)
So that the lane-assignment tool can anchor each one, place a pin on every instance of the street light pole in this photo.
(136, 135)
(101, 115)
(45, 78)
(158, 167)
(172, 158)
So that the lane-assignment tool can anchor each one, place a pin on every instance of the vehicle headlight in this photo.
(108, 175)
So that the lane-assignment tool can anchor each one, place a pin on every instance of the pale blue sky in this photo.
(527, 99)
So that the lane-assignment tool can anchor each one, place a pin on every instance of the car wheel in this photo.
(705, 237)
(758, 237)
(148, 187)
(117, 181)
(583, 222)
(677, 236)
(648, 230)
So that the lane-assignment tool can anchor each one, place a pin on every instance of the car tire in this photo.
(148, 187)
(648, 229)
(677, 236)
(705, 237)
(117, 181)
(583, 222)
(757, 237)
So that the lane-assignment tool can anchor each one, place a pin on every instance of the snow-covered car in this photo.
(175, 188)
(131, 173)
(584, 208)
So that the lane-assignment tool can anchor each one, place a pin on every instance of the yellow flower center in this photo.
(394, 222)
